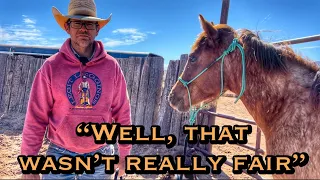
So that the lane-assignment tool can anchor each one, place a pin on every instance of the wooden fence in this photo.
(144, 78)
(147, 88)
(16, 77)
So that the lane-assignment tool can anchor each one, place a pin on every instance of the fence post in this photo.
(224, 12)
(258, 140)
(211, 121)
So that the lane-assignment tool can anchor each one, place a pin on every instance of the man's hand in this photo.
(30, 176)
(121, 165)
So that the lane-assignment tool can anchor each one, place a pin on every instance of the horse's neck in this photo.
(270, 96)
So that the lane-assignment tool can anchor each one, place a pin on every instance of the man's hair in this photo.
(68, 22)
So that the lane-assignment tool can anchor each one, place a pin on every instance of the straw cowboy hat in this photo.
(82, 10)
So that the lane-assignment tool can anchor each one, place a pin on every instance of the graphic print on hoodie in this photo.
(86, 95)
(65, 93)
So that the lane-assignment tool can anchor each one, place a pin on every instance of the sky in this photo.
(164, 27)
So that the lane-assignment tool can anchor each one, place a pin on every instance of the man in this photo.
(54, 100)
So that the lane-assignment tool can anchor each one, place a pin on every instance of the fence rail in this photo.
(256, 149)
(299, 40)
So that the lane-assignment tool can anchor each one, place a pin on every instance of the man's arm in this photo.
(36, 120)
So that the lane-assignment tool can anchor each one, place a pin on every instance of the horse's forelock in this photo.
(201, 37)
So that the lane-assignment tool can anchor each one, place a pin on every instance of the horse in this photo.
(279, 88)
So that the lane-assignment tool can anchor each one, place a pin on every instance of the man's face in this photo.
(82, 33)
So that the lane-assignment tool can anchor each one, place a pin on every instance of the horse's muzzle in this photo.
(177, 102)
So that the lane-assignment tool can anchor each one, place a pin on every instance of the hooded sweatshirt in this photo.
(65, 93)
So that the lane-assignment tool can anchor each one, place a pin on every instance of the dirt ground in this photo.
(10, 139)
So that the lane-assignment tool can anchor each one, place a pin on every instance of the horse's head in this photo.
(208, 47)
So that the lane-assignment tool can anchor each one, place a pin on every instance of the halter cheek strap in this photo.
(235, 44)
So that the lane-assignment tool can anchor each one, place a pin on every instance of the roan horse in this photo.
(281, 94)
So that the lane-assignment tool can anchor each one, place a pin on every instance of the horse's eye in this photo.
(193, 59)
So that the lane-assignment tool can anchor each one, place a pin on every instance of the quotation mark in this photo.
(96, 157)
(300, 159)
(83, 129)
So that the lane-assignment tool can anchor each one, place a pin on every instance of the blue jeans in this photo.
(58, 151)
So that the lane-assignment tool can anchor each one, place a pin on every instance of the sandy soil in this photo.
(10, 139)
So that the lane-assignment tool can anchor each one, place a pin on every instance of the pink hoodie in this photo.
(55, 101)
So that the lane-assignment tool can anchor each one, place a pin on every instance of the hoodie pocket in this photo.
(67, 132)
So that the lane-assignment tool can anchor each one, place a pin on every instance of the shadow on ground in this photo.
(11, 124)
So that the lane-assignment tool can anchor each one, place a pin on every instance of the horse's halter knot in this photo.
(232, 47)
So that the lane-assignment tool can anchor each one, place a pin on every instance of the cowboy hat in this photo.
(84, 10)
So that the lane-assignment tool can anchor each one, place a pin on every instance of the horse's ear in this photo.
(208, 28)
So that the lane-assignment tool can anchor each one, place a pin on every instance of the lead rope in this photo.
(194, 111)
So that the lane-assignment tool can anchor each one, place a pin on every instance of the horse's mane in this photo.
(271, 57)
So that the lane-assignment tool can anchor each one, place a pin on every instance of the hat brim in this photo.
(62, 19)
